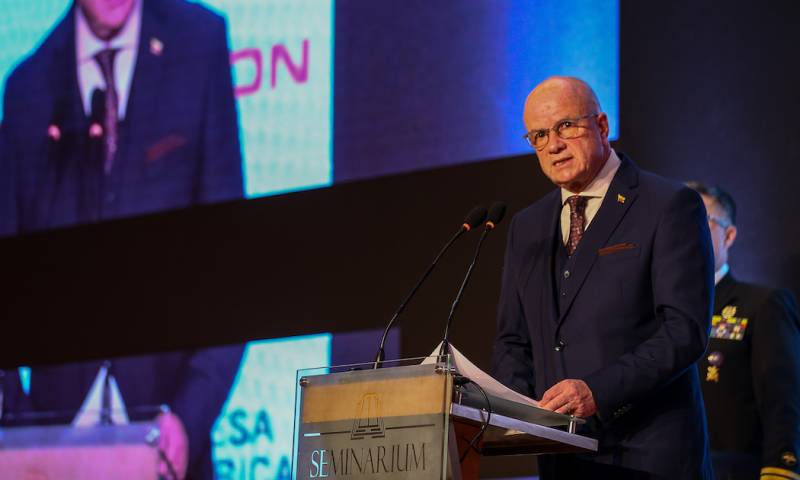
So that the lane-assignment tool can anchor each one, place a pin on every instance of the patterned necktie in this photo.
(105, 59)
(577, 221)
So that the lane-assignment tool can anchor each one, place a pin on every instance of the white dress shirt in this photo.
(720, 274)
(596, 191)
(90, 77)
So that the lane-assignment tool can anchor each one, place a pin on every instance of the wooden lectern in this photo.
(413, 422)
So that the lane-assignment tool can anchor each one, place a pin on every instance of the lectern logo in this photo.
(368, 420)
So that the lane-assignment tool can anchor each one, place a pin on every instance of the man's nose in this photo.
(556, 144)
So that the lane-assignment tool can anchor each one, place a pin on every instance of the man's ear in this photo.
(602, 122)
(730, 236)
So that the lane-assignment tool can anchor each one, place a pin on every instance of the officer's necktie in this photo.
(105, 59)
(577, 221)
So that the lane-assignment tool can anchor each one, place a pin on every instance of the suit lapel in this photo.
(67, 115)
(549, 302)
(146, 86)
(620, 196)
(537, 264)
(724, 293)
(63, 76)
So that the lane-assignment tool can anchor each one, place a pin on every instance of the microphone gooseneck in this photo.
(495, 216)
(475, 218)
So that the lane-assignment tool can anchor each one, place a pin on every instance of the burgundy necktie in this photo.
(105, 59)
(577, 221)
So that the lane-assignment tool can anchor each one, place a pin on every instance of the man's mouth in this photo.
(561, 162)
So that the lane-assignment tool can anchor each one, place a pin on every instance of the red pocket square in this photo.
(164, 146)
(616, 248)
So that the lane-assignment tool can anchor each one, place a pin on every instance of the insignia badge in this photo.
(727, 325)
(620, 198)
(716, 359)
(788, 459)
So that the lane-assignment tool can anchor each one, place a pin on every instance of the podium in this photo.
(414, 421)
(90, 453)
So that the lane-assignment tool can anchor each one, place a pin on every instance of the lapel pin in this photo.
(156, 46)
(620, 198)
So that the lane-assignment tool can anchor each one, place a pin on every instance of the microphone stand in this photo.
(381, 353)
(445, 349)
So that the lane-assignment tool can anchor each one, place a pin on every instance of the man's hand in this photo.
(571, 397)
(175, 444)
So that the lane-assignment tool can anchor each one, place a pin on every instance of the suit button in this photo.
(566, 273)
(563, 294)
(559, 346)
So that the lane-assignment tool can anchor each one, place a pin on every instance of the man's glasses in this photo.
(565, 129)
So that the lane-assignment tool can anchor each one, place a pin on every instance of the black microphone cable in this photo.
(462, 380)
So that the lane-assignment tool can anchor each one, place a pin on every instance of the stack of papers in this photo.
(487, 383)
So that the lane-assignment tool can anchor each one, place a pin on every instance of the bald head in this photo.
(569, 88)
(571, 163)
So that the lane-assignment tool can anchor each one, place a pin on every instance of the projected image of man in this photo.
(127, 107)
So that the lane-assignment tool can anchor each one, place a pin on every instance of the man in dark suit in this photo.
(750, 374)
(606, 298)
(126, 108)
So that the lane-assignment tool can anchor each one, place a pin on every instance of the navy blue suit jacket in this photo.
(177, 146)
(630, 319)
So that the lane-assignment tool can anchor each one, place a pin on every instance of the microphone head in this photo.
(98, 106)
(54, 133)
(496, 213)
(474, 218)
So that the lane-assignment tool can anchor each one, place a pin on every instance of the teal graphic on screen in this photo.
(23, 27)
(282, 56)
(252, 438)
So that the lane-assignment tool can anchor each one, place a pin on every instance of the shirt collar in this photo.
(601, 182)
(720, 274)
(87, 43)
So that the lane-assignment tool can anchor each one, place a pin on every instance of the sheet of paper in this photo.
(486, 381)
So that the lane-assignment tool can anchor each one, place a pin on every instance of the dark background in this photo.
(709, 91)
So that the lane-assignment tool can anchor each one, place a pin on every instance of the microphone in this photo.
(496, 213)
(98, 111)
(475, 217)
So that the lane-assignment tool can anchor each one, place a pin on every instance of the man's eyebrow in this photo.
(554, 124)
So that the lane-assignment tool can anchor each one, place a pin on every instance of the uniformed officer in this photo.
(751, 371)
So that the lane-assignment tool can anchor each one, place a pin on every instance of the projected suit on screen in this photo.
(164, 137)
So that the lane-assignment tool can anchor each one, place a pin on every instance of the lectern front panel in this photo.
(389, 423)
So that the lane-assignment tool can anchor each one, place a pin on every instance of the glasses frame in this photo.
(556, 128)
